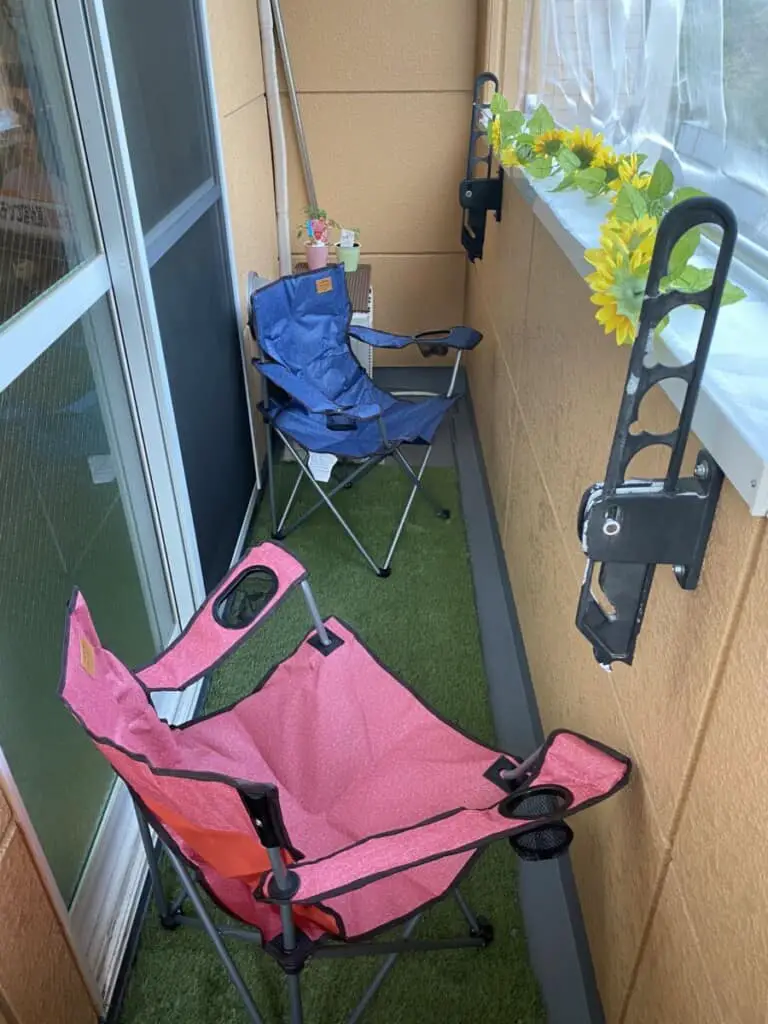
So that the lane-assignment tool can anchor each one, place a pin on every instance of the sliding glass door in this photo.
(75, 506)
(159, 55)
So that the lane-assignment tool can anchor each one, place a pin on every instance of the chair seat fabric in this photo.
(404, 422)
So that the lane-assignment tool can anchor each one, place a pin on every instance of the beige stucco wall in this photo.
(385, 91)
(39, 980)
(671, 872)
(242, 111)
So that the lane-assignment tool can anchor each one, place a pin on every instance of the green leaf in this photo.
(662, 181)
(525, 139)
(657, 207)
(498, 103)
(540, 167)
(567, 183)
(540, 121)
(631, 204)
(732, 293)
(641, 158)
(568, 160)
(664, 322)
(686, 192)
(591, 180)
(692, 279)
(511, 122)
(683, 251)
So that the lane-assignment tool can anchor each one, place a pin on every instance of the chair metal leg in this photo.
(348, 481)
(469, 914)
(417, 483)
(294, 997)
(406, 510)
(289, 506)
(331, 506)
(271, 481)
(380, 975)
(158, 891)
(200, 909)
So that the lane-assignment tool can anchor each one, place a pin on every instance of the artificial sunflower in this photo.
(629, 173)
(621, 270)
(509, 157)
(494, 134)
(548, 143)
(608, 160)
(587, 146)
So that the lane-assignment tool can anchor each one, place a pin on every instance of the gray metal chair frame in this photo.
(279, 528)
(172, 915)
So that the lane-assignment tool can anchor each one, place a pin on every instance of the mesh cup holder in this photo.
(546, 841)
(543, 843)
(246, 598)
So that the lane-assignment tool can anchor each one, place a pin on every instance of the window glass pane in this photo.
(202, 352)
(63, 523)
(45, 225)
(157, 61)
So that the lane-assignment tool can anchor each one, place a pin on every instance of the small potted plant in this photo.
(316, 228)
(348, 249)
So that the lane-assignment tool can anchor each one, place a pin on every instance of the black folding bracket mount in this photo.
(479, 194)
(628, 526)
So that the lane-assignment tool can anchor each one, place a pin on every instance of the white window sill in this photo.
(731, 418)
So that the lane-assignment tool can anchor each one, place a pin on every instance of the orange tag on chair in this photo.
(87, 656)
(323, 285)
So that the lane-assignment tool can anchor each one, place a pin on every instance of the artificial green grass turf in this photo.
(421, 623)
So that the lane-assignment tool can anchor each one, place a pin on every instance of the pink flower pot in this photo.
(317, 256)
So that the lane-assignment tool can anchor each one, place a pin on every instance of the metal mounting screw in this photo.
(701, 471)
(679, 571)
(468, 193)
(611, 527)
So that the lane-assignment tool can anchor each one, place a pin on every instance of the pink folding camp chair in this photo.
(328, 804)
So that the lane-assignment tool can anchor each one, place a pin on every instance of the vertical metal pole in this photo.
(309, 181)
(309, 597)
(289, 934)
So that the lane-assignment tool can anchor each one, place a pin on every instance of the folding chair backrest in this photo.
(201, 812)
(302, 323)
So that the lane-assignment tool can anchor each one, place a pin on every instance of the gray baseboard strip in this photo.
(554, 926)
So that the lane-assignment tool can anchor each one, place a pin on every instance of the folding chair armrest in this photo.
(208, 637)
(580, 771)
(307, 394)
(380, 339)
(448, 337)
(464, 338)
(371, 859)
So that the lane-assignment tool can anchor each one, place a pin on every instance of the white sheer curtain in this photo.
(684, 79)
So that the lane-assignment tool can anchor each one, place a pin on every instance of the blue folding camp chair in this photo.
(318, 398)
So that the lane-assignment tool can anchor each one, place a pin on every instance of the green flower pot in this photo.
(350, 257)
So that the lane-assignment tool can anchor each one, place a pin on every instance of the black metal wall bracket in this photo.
(479, 195)
(627, 526)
